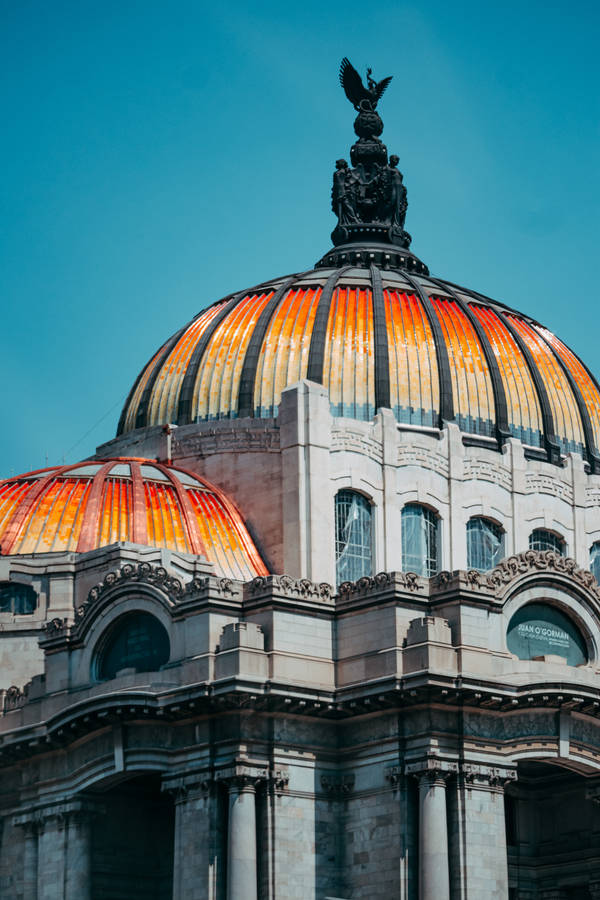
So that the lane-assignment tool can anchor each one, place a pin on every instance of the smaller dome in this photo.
(93, 504)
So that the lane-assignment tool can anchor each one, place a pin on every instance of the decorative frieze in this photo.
(539, 561)
(535, 483)
(423, 458)
(482, 470)
(487, 777)
(355, 442)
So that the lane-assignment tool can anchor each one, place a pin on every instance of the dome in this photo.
(93, 504)
(375, 337)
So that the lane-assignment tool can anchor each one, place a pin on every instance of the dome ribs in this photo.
(501, 412)
(186, 396)
(441, 352)
(91, 518)
(245, 408)
(382, 359)
(550, 439)
(141, 419)
(586, 422)
(316, 354)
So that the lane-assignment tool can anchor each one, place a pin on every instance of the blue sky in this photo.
(157, 156)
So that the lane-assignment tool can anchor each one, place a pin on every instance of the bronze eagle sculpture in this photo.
(354, 88)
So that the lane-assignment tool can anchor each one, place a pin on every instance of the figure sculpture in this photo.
(369, 199)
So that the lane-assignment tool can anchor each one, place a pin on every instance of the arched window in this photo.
(595, 560)
(19, 599)
(136, 641)
(485, 544)
(353, 536)
(541, 539)
(420, 540)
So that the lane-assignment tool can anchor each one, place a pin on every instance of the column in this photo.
(51, 855)
(242, 868)
(195, 851)
(241, 840)
(434, 876)
(79, 850)
(29, 823)
(481, 844)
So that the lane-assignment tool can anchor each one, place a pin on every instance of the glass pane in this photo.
(80, 471)
(540, 539)
(353, 536)
(138, 641)
(152, 473)
(420, 540)
(188, 479)
(485, 544)
(538, 630)
(121, 470)
(19, 599)
(595, 560)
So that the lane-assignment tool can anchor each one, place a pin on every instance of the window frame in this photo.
(502, 532)
(554, 534)
(437, 520)
(368, 504)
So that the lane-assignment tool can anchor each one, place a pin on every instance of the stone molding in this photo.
(37, 819)
(394, 775)
(336, 784)
(188, 787)
(231, 440)
(286, 586)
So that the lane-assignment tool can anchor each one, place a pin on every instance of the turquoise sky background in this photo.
(156, 156)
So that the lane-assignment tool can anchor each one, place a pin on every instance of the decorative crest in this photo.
(370, 198)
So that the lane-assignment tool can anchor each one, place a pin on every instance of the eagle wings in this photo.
(354, 88)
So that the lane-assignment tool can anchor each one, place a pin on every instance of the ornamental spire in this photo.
(370, 198)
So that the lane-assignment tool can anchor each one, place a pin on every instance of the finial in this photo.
(370, 198)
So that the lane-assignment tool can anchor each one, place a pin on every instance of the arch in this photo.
(136, 641)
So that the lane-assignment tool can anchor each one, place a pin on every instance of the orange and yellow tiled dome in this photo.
(375, 337)
(93, 504)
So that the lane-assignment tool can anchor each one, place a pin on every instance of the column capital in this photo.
(432, 769)
(242, 776)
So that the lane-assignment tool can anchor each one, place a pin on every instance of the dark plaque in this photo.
(538, 629)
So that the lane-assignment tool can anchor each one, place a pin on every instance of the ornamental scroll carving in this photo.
(539, 561)
(368, 584)
(300, 588)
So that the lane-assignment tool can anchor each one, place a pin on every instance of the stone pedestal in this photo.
(30, 861)
(434, 876)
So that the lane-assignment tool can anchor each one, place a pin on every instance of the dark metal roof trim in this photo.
(441, 352)
(550, 439)
(316, 353)
(502, 429)
(186, 395)
(382, 361)
(590, 445)
(141, 419)
(248, 377)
